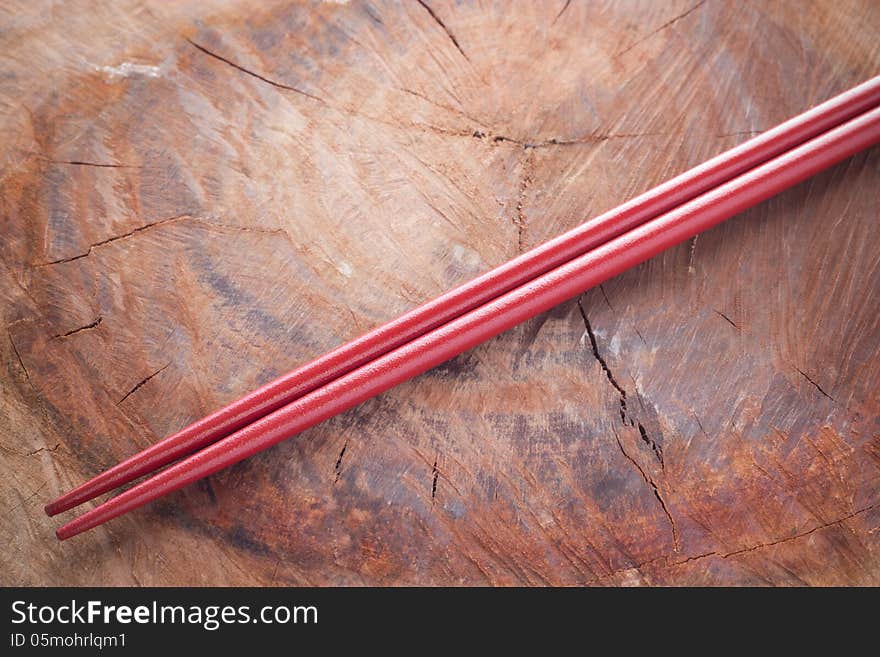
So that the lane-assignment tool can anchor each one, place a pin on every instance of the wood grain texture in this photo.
(195, 198)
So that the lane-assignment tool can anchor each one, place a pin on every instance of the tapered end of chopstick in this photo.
(111, 478)
(150, 459)
(72, 528)
(55, 507)
(73, 498)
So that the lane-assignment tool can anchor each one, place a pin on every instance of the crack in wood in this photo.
(80, 329)
(527, 144)
(760, 546)
(448, 108)
(655, 448)
(519, 218)
(338, 467)
(449, 33)
(607, 370)
(141, 384)
(561, 11)
(100, 165)
(605, 296)
(726, 318)
(665, 25)
(44, 449)
(653, 486)
(815, 385)
(27, 376)
(727, 555)
(692, 250)
(263, 78)
(115, 238)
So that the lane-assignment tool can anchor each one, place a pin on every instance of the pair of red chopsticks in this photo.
(476, 311)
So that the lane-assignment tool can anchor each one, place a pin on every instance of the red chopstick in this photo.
(486, 287)
(502, 313)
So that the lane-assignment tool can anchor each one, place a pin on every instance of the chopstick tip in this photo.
(65, 531)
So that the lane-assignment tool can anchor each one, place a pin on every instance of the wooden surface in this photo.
(195, 197)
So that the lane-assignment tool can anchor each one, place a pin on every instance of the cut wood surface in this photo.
(196, 197)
